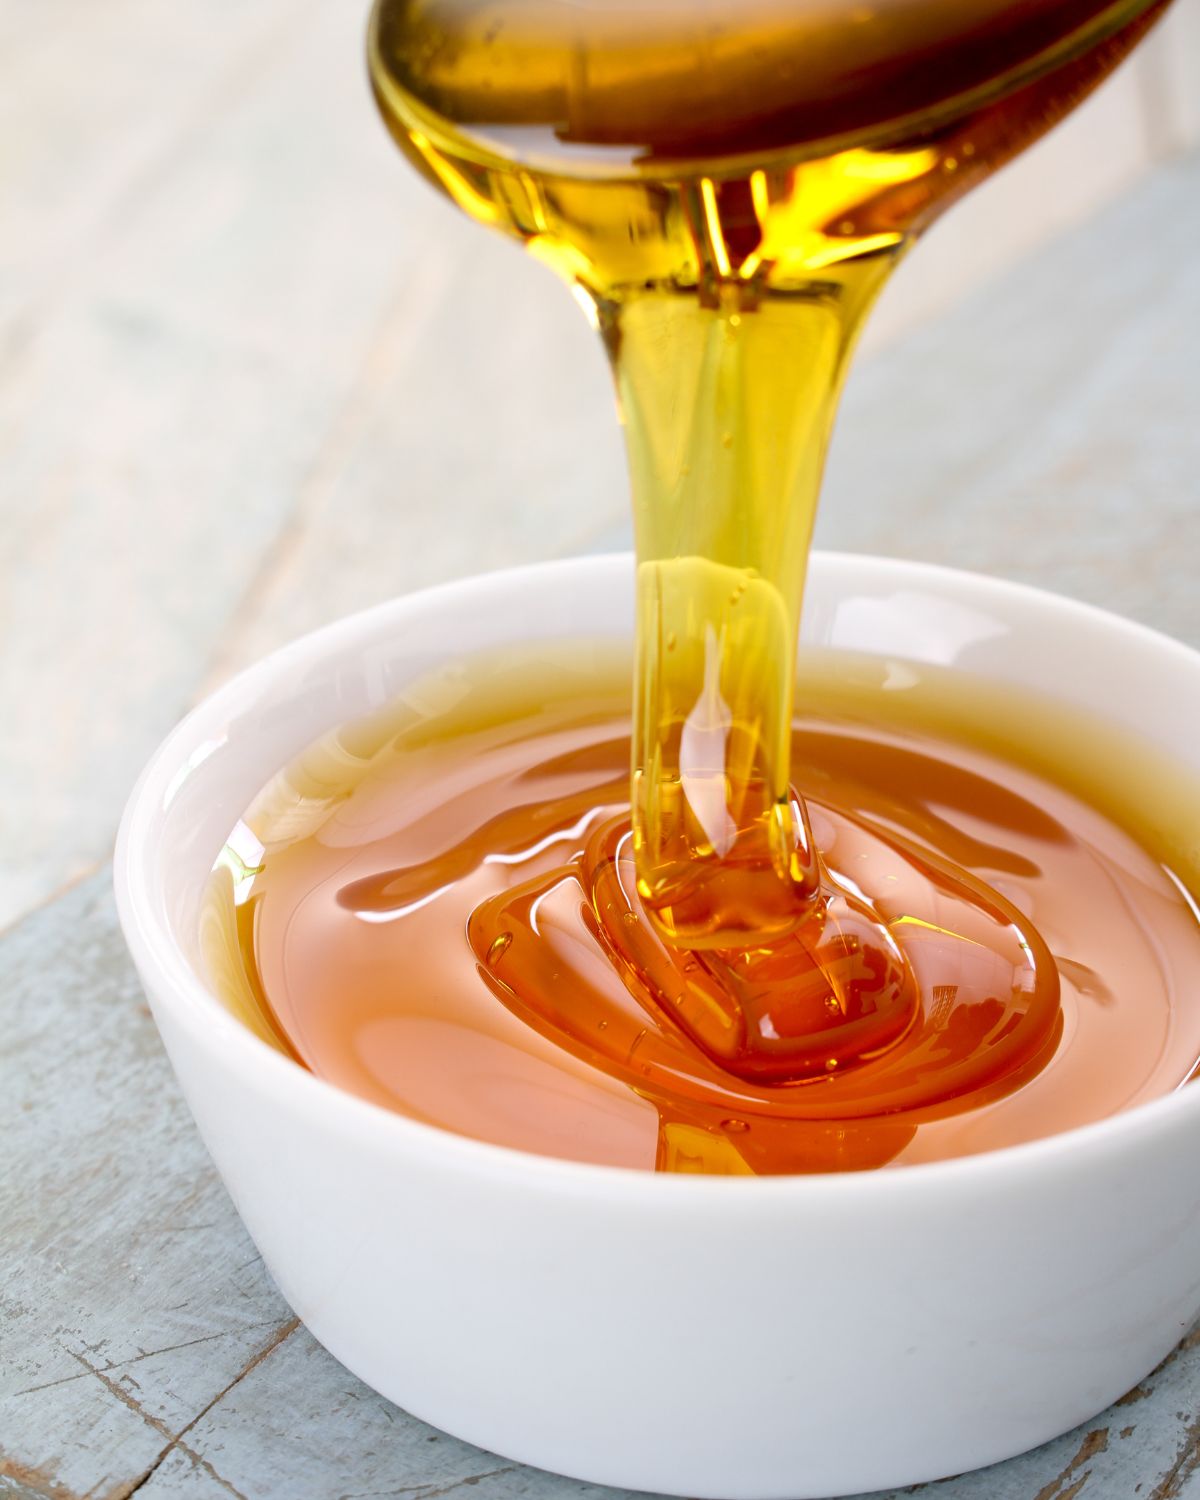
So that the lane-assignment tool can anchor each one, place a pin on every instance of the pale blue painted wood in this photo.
(235, 331)
(1047, 430)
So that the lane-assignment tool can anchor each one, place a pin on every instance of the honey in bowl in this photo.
(806, 936)
(414, 910)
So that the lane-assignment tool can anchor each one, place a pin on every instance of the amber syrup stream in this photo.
(726, 188)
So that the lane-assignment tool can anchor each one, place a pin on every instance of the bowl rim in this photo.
(172, 983)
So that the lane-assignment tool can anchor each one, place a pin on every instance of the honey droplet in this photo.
(498, 949)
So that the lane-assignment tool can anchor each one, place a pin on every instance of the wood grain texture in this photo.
(144, 1350)
(217, 336)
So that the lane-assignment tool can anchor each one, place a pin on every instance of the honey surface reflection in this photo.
(421, 910)
(726, 187)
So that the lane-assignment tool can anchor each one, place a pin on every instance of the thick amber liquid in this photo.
(726, 185)
(745, 971)
(413, 909)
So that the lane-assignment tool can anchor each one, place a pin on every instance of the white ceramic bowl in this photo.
(789, 1337)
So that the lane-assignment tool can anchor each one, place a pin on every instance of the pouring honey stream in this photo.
(726, 188)
(791, 980)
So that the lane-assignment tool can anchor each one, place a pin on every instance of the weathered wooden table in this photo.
(1045, 429)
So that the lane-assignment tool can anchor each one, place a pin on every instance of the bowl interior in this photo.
(208, 771)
